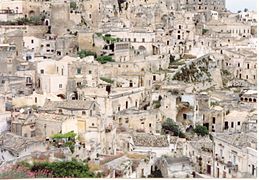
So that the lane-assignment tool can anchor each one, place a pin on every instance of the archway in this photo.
(142, 50)
(31, 13)
(74, 96)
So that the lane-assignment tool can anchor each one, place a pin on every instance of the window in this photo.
(91, 113)
(90, 72)
(238, 123)
(32, 41)
(184, 116)
(78, 70)
(42, 71)
(238, 65)
(154, 78)
(92, 124)
(48, 45)
(135, 40)
(83, 113)
(150, 125)
(79, 84)
(60, 86)
(143, 40)
(213, 120)
(126, 120)
(232, 124)
(36, 100)
(60, 110)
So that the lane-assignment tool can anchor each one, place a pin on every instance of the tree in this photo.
(201, 130)
(170, 126)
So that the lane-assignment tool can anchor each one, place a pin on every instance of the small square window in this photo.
(78, 71)
(60, 86)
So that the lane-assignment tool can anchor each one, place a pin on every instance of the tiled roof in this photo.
(15, 143)
(148, 140)
(68, 104)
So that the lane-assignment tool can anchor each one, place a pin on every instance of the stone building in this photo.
(235, 155)
(139, 120)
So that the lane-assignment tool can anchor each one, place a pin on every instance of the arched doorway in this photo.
(142, 50)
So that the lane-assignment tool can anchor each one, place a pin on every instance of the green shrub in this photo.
(204, 31)
(201, 130)
(107, 80)
(73, 5)
(64, 169)
(85, 53)
(104, 59)
(171, 126)
(69, 135)
(109, 39)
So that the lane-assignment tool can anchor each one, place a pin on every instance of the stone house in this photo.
(52, 76)
(235, 155)
(242, 64)
(114, 100)
(248, 96)
(180, 167)
(83, 73)
(158, 144)
(235, 29)
(200, 152)
(139, 120)
(5, 116)
(82, 117)
(204, 5)
(213, 118)
(24, 125)
(235, 119)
